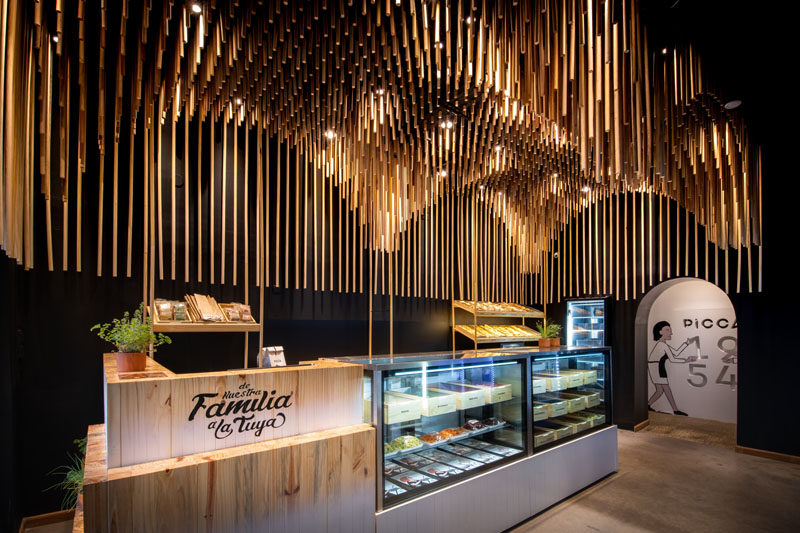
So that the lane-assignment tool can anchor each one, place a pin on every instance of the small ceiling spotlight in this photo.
(379, 92)
(196, 8)
(555, 174)
(443, 173)
(55, 38)
(663, 51)
(238, 101)
(469, 20)
(498, 148)
(586, 188)
(480, 187)
(330, 134)
(733, 104)
(446, 124)
(440, 45)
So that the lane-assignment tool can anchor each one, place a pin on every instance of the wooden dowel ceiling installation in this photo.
(521, 156)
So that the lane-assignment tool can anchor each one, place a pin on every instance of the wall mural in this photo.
(692, 354)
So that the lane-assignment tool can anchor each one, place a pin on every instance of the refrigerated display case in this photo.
(444, 419)
(587, 322)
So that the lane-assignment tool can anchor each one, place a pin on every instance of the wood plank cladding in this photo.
(160, 415)
(410, 118)
(320, 481)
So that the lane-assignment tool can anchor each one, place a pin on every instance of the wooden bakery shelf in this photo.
(185, 326)
(522, 312)
(468, 331)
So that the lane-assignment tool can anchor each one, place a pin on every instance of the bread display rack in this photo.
(494, 334)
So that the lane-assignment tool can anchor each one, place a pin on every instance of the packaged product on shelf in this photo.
(390, 489)
(553, 382)
(432, 403)
(164, 309)
(473, 425)
(414, 460)
(574, 377)
(454, 433)
(592, 398)
(540, 411)
(482, 457)
(398, 408)
(542, 436)
(493, 421)
(441, 471)
(495, 392)
(561, 430)
(589, 376)
(414, 479)
(391, 468)
(593, 418)
(433, 438)
(466, 396)
(601, 415)
(179, 311)
(574, 402)
(539, 385)
(554, 406)
(501, 450)
(579, 424)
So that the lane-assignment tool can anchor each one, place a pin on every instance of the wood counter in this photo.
(157, 414)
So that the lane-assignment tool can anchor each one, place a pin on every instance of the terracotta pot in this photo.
(555, 342)
(544, 343)
(131, 362)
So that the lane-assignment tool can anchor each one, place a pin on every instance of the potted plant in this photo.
(132, 335)
(549, 333)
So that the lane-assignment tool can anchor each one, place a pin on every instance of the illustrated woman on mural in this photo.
(657, 363)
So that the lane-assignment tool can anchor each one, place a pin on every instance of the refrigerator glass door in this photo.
(586, 323)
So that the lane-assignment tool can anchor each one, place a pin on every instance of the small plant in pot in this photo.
(133, 336)
(549, 333)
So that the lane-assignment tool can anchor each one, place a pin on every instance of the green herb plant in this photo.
(131, 334)
(72, 484)
(548, 330)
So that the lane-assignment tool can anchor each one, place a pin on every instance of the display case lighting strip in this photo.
(450, 368)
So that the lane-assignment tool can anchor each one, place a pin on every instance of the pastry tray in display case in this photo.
(443, 418)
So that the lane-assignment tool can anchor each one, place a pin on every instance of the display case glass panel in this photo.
(586, 323)
(448, 421)
(569, 395)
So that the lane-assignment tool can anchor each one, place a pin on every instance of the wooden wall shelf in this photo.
(469, 332)
(519, 312)
(204, 327)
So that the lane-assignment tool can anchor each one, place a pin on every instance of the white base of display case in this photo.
(502, 498)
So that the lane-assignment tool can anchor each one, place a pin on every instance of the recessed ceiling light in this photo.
(555, 174)
(196, 8)
(498, 148)
(238, 101)
(330, 134)
(480, 187)
(55, 38)
(663, 51)
(449, 124)
(379, 92)
(586, 188)
(443, 173)
(469, 20)
(733, 104)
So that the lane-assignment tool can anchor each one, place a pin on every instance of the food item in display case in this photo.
(600, 414)
(163, 309)
(574, 377)
(461, 463)
(589, 376)
(579, 311)
(433, 438)
(501, 450)
(598, 311)
(441, 471)
(475, 443)
(414, 479)
(474, 425)
(495, 392)
(482, 457)
(494, 421)
(561, 430)
(592, 398)
(390, 489)
(542, 436)
(392, 469)
(539, 385)
(388, 449)
(575, 402)
(553, 381)
(398, 408)
(593, 418)
(452, 433)
(581, 424)
(465, 395)
(414, 460)
(554, 406)
(432, 403)
(540, 411)
(406, 442)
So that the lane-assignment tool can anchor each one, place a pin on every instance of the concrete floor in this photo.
(666, 484)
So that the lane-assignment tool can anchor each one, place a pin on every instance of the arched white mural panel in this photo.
(692, 352)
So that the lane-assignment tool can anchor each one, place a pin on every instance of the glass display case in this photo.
(445, 417)
(570, 395)
(587, 322)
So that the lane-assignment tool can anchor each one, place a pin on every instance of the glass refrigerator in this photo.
(587, 322)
